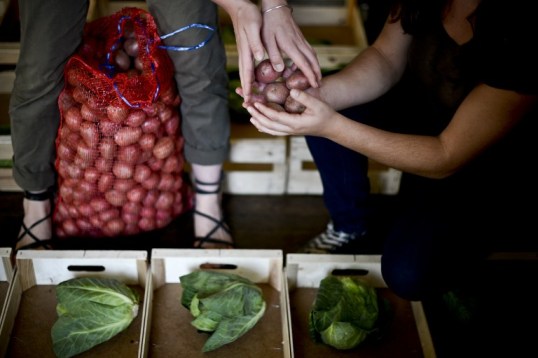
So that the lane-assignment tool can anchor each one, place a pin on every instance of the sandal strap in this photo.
(219, 224)
(28, 229)
(202, 191)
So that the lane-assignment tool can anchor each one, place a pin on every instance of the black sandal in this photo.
(43, 243)
(219, 224)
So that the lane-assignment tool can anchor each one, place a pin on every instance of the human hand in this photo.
(247, 23)
(314, 120)
(281, 35)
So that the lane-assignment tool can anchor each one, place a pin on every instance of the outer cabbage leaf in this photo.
(231, 329)
(91, 311)
(227, 305)
(344, 313)
(204, 283)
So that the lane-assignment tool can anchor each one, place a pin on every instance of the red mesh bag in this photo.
(119, 147)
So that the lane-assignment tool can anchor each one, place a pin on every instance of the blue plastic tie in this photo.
(188, 48)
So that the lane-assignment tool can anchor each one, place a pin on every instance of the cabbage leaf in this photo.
(223, 304)
(90, 312)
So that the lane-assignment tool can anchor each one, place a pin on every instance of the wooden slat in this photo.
(9, 53)
(6, 81)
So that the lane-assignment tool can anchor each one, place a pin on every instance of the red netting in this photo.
(119, 147)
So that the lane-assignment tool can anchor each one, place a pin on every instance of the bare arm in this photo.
(484, 117)
(372, 73)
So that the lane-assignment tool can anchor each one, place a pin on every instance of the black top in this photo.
(502, 54)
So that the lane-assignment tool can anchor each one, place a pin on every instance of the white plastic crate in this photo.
(32, 295)
(169, 331)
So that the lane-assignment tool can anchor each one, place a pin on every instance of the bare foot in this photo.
(37, 222)
(208, 223)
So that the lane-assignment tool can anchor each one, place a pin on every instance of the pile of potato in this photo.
(273, 87)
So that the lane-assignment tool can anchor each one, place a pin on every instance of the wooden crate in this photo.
(32, 295)
(169, 331)
(6, 275)
(303, 176)
(257, 162)
(408, 334)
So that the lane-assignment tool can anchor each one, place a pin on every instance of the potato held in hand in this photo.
(297, 80)
(276, 92)
(265, 73)
(273, 88)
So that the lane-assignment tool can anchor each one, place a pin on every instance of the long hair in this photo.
(416, 15)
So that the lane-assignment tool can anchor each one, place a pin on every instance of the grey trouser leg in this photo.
(51, 30)
(201, 77)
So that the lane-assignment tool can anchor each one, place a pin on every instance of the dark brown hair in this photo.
(416, 15)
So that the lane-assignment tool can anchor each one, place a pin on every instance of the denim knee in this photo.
(406, 278)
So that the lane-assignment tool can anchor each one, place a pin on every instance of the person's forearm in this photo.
(367, 77)
(372, 73)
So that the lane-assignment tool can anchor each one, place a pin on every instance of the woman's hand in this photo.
(317, 118)
(274, 33)
(247, 23)
(282, 36)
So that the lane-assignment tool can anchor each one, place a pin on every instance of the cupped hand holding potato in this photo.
(317, 118)
(273, 87)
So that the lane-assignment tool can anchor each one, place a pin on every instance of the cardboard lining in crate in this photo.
(32, 295)
(408, 334)
(170, 332)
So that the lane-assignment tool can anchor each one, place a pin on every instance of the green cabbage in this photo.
(225, 304)
(90, 312)
(344, 313)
